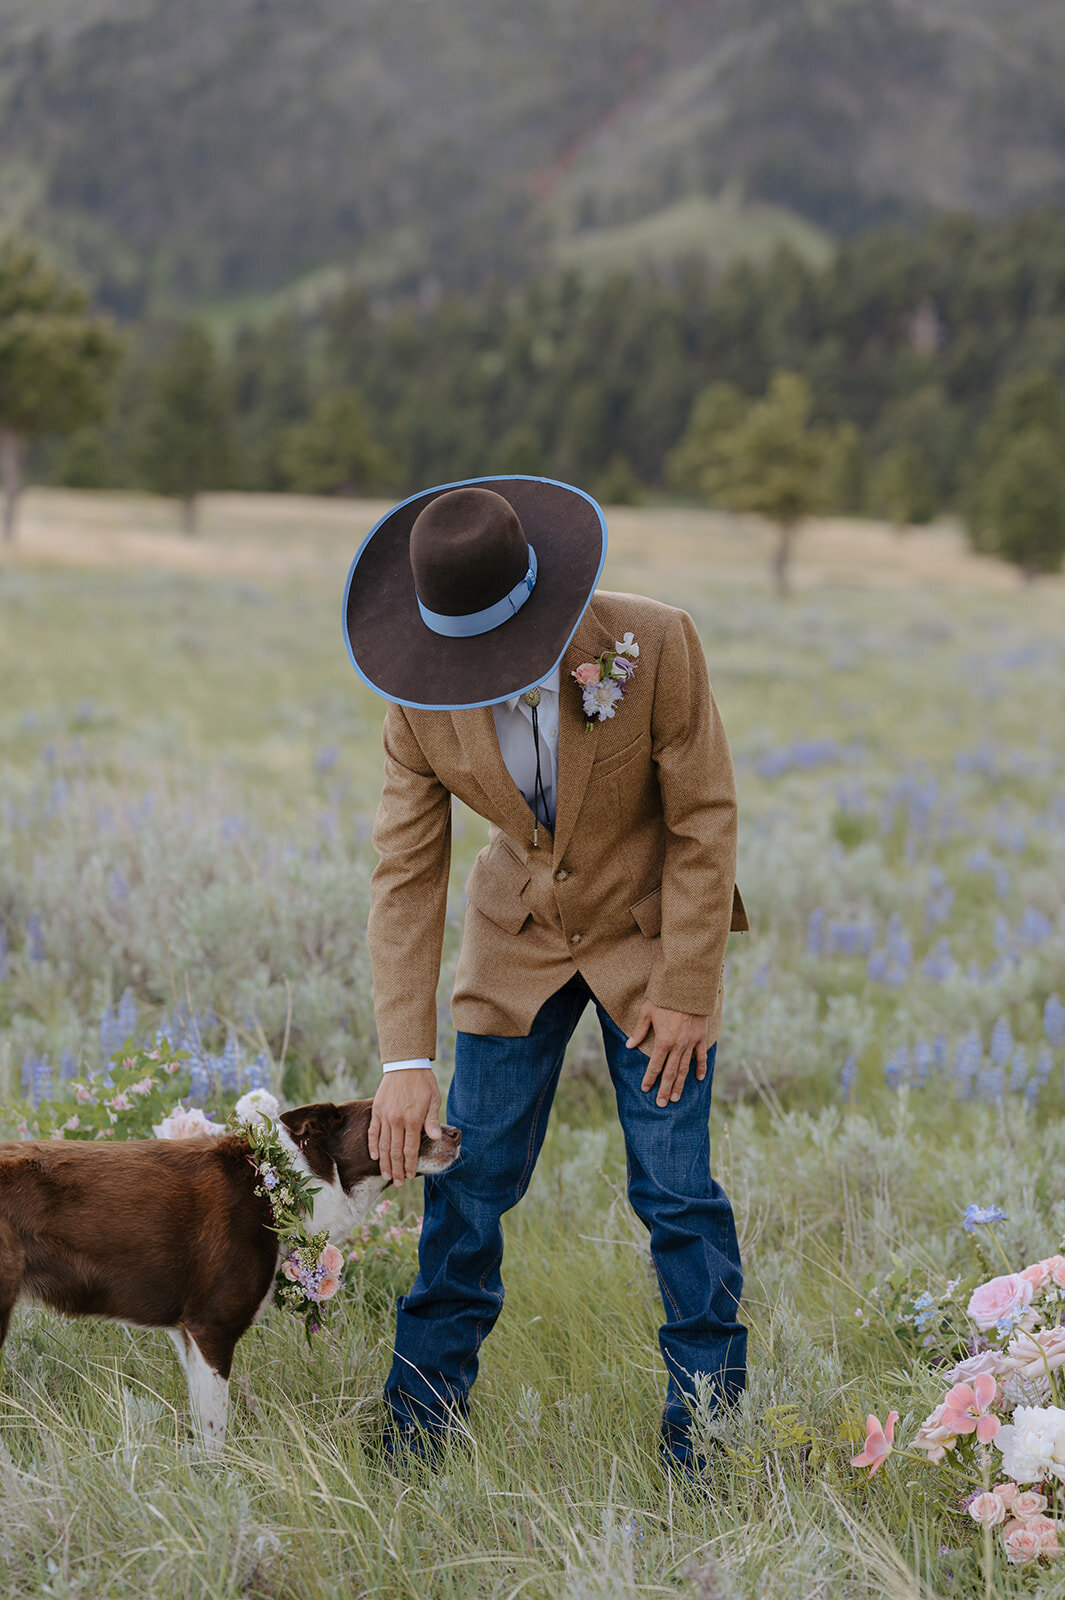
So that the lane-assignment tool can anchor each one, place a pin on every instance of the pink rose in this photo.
(1038, 1274)
(328, 1288)
(1007, 1493)
(935, 1436)
(1055, 1265)
(998, 1297)
(332, 1260)
(588, 672)
(1028, 1505)
(987, 1509)
(1023, 1545)
(291, 1271)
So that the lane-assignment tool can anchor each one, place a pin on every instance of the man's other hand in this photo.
(406, 1102)
(678, 1036)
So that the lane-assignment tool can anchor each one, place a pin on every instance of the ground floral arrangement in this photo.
(998, 1434)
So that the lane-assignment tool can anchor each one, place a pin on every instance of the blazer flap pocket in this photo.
(739, 923)
(494, 887)
(647, 913)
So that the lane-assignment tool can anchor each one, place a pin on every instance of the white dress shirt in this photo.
(513, 720)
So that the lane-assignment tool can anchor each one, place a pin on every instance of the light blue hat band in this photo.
(475, 622)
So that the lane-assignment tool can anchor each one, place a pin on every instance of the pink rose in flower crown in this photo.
(328, 1288)
(999, 1297)
(589, 672)
(332, 1260)
(291, 1270)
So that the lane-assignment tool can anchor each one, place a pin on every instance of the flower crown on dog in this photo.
(311, 1267)
(603, 681)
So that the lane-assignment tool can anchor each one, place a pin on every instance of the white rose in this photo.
(257, 1105)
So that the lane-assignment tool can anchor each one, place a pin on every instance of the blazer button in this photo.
(575, 938)
(561, 875)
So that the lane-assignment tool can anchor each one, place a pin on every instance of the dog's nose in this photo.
(452, 1135)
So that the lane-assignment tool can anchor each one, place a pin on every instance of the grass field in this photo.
(188, 768)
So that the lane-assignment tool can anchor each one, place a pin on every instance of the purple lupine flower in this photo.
(1054, 1021)
(1001, 1042)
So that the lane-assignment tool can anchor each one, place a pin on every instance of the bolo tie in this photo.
(531, 698)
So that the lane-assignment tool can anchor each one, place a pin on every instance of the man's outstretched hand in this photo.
(406, 1102)
(678, 1035)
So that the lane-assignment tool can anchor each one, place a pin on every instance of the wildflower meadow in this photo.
(188, 770)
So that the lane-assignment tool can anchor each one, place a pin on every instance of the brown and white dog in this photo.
(170, 1233)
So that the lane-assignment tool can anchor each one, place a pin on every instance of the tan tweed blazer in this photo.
(635, 890)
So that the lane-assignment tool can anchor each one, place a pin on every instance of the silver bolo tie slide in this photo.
(531, 698)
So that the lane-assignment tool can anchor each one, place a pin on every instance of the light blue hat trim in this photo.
(469, 625)
(470, 705)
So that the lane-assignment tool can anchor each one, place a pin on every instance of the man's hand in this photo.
(678, 1035)
(406, 1102)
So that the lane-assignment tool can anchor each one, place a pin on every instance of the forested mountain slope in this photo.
(215, 148)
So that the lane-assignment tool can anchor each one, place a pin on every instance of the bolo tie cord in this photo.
(532, 700)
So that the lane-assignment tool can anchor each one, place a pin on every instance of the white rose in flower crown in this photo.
(257, 1105)
(1033, 1444)
(190, 1123)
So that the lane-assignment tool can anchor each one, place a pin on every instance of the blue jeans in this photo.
(500, 1098)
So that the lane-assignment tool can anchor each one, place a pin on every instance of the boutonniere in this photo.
(603, 681)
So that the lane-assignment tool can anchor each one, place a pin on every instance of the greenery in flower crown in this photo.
(310, 1270)
(125, 1101)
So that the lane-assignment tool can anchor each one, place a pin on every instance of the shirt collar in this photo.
(550, 685)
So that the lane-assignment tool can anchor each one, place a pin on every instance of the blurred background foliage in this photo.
(360, 251)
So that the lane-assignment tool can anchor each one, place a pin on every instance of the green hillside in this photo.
(224, 148)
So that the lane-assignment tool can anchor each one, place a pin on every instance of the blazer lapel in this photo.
(506, 805)
(576, 745)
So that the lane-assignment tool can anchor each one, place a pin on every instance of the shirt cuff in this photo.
(401, 1066)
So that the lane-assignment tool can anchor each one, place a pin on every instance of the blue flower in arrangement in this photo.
(982, 1216)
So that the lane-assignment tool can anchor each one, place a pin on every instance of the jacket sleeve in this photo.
(408, 895)
(698, 789)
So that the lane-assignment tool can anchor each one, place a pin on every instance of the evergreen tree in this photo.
(56, 362)
(334, 452)
(1025, 496)
(186, 439)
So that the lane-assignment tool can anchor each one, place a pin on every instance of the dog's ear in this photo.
(312, 1125)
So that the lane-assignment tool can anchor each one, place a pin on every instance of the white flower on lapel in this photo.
(602, 682)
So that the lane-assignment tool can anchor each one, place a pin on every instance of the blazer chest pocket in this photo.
(494, 887)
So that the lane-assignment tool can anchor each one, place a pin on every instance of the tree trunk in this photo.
(12, 460)
(782, 559)
(188, 515)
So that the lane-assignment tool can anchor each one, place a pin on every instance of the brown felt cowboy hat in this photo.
(469, 593)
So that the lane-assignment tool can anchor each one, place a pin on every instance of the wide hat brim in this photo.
(401, 658)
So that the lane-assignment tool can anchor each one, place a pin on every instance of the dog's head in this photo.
(334, 1141)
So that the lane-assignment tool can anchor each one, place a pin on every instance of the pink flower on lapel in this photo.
(588, 672)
